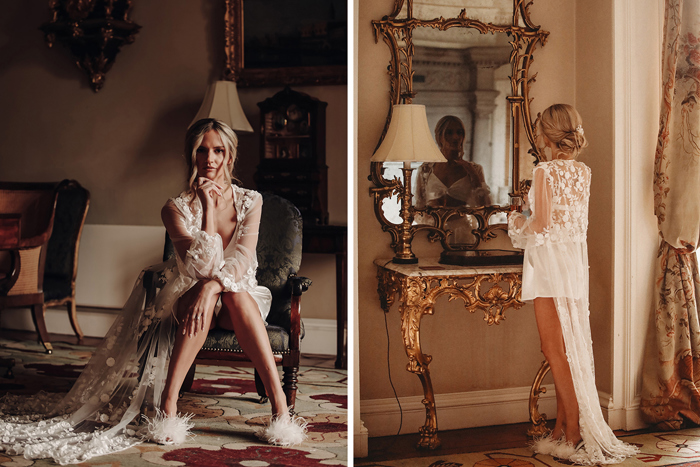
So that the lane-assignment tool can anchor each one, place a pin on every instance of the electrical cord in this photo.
(388, 364)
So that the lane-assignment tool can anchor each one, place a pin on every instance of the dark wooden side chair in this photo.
(40, 228)
(62, 254)
(279, 259)
(26, 220)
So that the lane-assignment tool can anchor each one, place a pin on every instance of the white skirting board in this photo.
(95, 322)
(110, 260)
(455, 411)
(473, 409)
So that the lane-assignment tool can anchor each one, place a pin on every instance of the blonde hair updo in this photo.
(563, 126)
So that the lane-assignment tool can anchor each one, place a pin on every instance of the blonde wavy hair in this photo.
(193, 139)
(563, 126)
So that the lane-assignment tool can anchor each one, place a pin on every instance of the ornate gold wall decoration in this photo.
(93, 30)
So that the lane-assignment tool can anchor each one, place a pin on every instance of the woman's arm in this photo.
(521, 228)
(200, 253)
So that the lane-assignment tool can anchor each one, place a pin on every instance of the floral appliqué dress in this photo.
(556, 265)
(126, 375)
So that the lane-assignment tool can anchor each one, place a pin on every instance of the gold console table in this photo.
(491, 289)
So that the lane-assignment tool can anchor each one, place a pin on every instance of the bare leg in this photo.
(185, 350)
(560, 424)
(240, 313)
(552, 342)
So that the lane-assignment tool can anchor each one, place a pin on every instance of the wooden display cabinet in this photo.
(293, 152)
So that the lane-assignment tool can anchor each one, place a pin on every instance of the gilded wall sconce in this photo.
(93, 30)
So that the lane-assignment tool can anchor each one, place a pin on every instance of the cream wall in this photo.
(493, 366)
(594, 100)
(124, 143)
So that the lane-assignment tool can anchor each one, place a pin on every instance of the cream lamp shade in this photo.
(408, 138)
(221, 102)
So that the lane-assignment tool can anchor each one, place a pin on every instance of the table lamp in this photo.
(408, 139)
(222, 103)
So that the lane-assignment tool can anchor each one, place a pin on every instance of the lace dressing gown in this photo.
(556, 265)
(126, 375)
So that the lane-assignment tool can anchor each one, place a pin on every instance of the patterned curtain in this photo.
(671, 372)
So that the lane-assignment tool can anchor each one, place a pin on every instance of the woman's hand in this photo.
(207, 191)
(197, 316)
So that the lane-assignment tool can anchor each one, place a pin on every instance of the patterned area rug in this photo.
(677, 448)
(226, 408)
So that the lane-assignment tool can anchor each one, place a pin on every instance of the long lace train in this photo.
(600, 444)
(101, 413)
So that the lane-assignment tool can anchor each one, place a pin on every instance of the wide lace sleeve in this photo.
(483, 192)
(241, 260)
(525, 231)
(201, 254)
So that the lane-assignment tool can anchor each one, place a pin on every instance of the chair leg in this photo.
(73, 315)
(260, 387)
(9, 363)
(189, 379)
(38, 311)
(289, 384)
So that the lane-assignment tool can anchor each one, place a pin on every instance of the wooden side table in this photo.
(491, 289)
(333, 239)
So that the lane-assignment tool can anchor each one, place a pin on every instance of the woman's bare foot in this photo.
(574, 437)
(169, 408)
(557, 433)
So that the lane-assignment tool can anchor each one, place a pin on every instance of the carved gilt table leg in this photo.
(418, 294)
(412, 308)
(539, 421)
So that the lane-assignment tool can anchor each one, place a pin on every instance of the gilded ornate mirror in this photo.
(470, 67)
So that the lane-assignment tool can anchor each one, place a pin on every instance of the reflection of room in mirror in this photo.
(498, 12)
(391, 206)
(467, 74)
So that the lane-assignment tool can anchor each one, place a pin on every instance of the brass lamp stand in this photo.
(404, 255)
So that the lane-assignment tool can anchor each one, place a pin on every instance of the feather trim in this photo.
(169, 430)
(553, 447)
(285, 430)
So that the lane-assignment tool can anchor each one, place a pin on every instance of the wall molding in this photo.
(320, 338)
(455, 410)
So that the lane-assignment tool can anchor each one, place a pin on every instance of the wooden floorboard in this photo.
(478, 439)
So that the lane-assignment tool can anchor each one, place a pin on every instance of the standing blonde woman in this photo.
(140, 365)
(555, 277)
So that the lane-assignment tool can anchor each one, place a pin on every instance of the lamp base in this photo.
(398, 260)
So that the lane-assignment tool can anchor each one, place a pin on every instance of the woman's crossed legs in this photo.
(239, 313)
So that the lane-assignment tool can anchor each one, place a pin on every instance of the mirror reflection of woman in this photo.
(456, 182)
(452, 184)
(555, 277)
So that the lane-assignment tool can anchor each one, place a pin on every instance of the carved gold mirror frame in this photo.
(397, 30)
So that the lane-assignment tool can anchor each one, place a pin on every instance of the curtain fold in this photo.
(671, 371)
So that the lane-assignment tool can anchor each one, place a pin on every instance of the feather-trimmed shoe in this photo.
(169, 430)
(285, 430)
